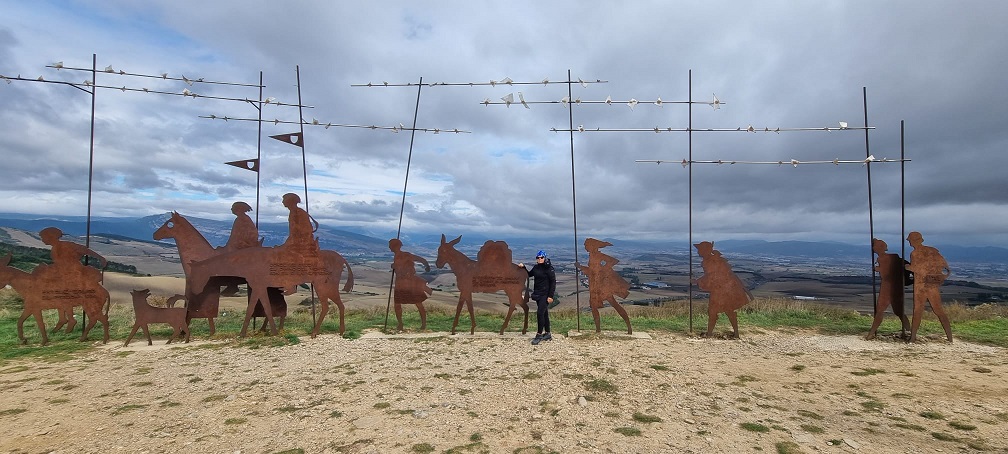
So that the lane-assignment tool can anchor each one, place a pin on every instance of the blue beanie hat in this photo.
(541, 253)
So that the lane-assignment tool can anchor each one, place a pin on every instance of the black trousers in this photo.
(542, 313)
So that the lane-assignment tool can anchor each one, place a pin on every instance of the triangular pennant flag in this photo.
(294, 138)
(247, 164)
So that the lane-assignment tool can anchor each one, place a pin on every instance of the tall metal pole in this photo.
(903, 214)
(902, 192)
(87, 236)
(577, 280)
(87, 228)
(402, 206)
(871, 219)
(259, 143)
(304, 167)
(689, 247)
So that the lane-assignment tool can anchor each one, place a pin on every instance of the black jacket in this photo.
(544, 279)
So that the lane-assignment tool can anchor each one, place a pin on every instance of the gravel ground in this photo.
(435, 392)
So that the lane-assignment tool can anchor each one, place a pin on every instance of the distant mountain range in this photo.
(352, 241)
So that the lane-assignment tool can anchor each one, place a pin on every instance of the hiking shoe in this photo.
(546, 337)
(536, 340)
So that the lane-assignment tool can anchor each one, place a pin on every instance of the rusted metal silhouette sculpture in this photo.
(59, 287)
(244, 232)
(604, 283)
(891, 269)
(930, 269)
(727, 292)
(146, 314)
(491, 272)
(297, 261)
(409, 288)
(193, 247)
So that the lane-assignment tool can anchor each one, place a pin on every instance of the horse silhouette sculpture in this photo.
(194, 247)
(62, 293)
(491, 272)
(274, 267)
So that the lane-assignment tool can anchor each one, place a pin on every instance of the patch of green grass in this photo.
(931, 415)
(422, 448)
(382, 405)
(906, 425)
(798, 367)
(988, 326)
(214, 398)
(641, 417)
(872, 405)
(979, 445)
(812, 429)
(788, 447)
(235, 421)
(866, 372)
(944, 436)
(754, 427)
(12, 411)
(600, 385)
(810, 415)
(659, 367)
(126, 408)
(628, 431)
(961, 425)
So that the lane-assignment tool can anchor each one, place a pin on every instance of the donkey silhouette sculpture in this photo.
(491, 272)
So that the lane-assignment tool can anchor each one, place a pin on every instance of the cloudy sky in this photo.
(773, 64)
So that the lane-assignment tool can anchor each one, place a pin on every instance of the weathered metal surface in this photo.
(604, 283)
(727, 292)
(193, 247)
(297, 261)
(65, 284)
(891, 269)
(409, 288)
(930, 269)
(145, 314)
(491, 272)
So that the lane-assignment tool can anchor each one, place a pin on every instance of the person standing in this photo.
(543, 291)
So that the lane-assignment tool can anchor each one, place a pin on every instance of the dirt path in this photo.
(490, 393)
